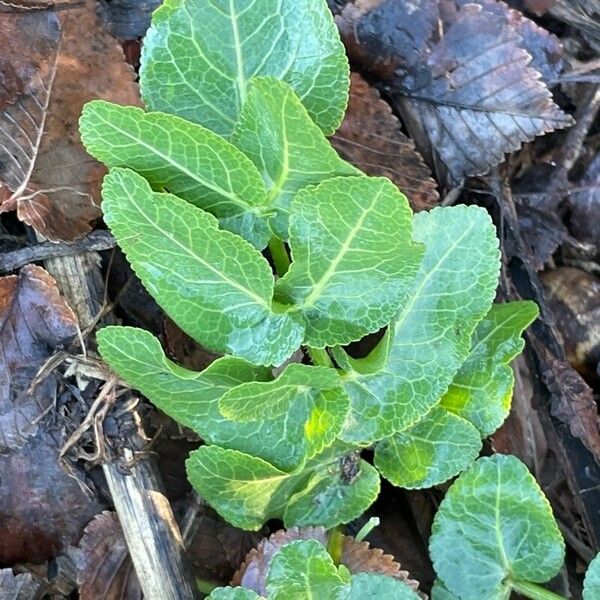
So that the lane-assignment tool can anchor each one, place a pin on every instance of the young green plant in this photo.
(229, 167)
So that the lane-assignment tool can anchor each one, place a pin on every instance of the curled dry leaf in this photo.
(17, 587)
(371, 139)
(54, 182)
(573, 402)
(43, 510)
(105, 569)
(462, 74)
(34, 323)
(358, 557)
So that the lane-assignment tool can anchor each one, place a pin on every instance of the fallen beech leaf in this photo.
(465, 75)
(371, 139)
(54, 182)
(127, 19)
(539, 7)
(358, 557)
(17, 587)
(43, 509)
(105, 569)
(34, 322)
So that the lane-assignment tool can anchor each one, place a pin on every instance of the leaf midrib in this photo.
(320, 285)
(211, 186)
(261, 301)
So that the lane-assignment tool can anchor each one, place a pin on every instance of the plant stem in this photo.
(534, 591)
(279, 255)
(366, 529)
(319, 357)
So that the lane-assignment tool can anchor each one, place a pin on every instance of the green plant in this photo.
(236, 170)
(304, 569)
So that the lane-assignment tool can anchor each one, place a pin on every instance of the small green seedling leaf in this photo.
(288, 149)
(333, 495)
(437, 448)
(354, 261)
(452, 292)
(214, 285)
(199, 56)
(481, 391)
(378, 586)
(189, 160)
(304, 569)
(591, 585)
(309, 401)
(494, 526)
(237, 593)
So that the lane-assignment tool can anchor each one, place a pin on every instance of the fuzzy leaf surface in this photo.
(377, 585)
(591, 584)
(276, 132)
(248, 491)
(308, 401)
(304, 569)
(187, 159)
(451, 293)
(481, 391)
(214, 285)
(283, 438)
(354, 260)
(200, 54)
(495, 525)
(329, 497)
(437, 448)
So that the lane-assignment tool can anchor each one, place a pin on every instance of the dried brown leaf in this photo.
(34, 322)
(371, 139)
(105, 567)
(573, 402)
(17, 587)
(127, 19)
(465, 75)
(582, 14)
(359, 557)
(43, 509)
(56, 188)
(584, 222)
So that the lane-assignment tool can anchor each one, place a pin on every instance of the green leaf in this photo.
(378, 586)
(452, 292)
(437, 448)
(245, 490)
(186, 159)
(334, 497)
(283, 439)
(494, 525)
(289, 150)
(237, 593)
(591, 585)
(303, 569)
(440, 592)
(199, 55)
(189, 397)
(212, 283)
(482, 389)
(248, 491)
(354, 261)
(309, 401)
